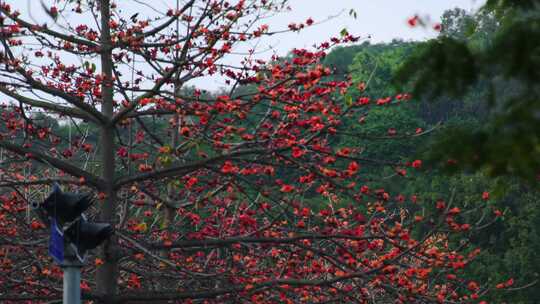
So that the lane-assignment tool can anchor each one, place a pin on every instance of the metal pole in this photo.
(72, 282)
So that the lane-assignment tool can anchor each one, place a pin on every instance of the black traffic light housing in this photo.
(66, 210)
(85, 235)
(66, 207)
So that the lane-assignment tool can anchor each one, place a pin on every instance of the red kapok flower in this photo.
(353, 167)
(287, 188)
(229, 168)
(472, 286)
(35, 225)
(191, 181)
(298, 152)
(185, 131)
(413, 21)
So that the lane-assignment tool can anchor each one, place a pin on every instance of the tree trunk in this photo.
(108, 272)
(170, 211)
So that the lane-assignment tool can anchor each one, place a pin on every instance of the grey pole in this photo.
(72, 282)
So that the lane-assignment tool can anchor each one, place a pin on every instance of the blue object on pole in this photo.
(56, 243)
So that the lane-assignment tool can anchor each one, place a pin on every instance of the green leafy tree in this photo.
(507, 68)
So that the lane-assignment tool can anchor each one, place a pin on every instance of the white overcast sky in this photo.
(383, 20)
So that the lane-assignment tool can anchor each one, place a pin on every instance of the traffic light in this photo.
(86, 236)
(69, 226)
(65, 207)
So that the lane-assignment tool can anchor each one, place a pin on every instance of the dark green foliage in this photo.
(497, 150)
(524, 4)
(342, 57)
(517, 49)
(504, 67)
(510, 249)
(375, 65)
(440, 66)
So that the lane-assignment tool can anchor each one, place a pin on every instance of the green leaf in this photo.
(353, 13)
(470, 28)
(349, 100)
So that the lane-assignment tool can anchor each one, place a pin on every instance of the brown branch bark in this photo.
(55, 162)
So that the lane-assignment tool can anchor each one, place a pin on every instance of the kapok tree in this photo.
(234, 197)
